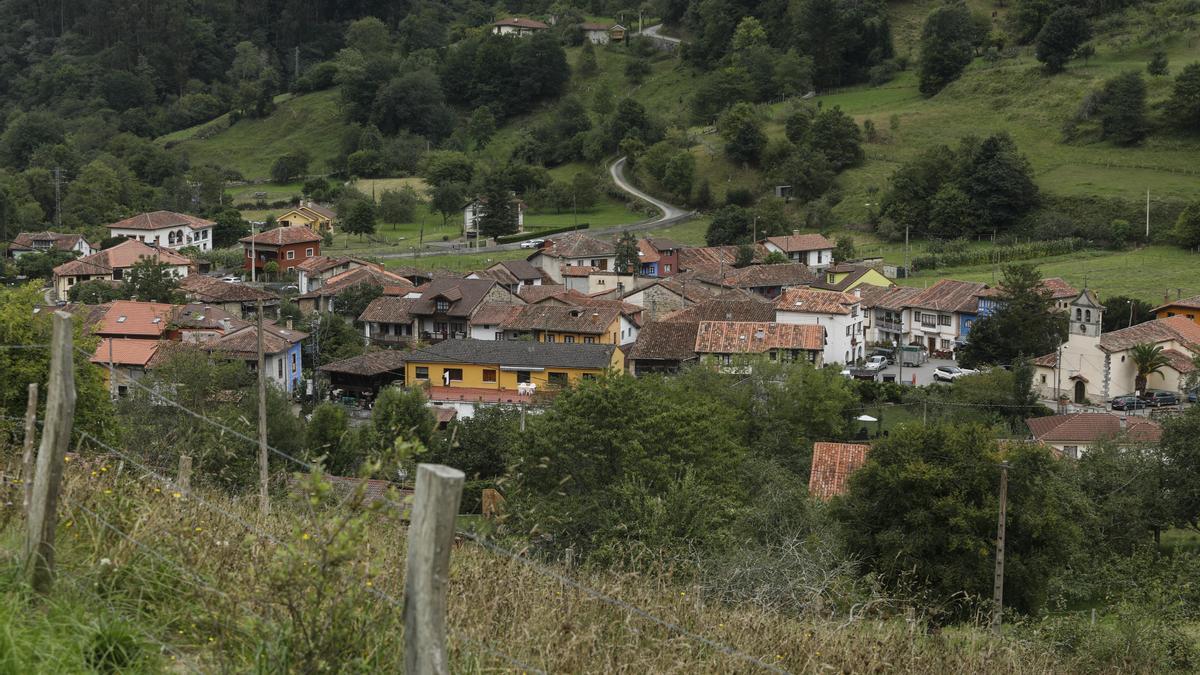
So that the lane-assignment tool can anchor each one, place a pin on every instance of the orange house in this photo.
(1188, 307)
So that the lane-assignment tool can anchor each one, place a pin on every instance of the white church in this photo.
(1093, 366)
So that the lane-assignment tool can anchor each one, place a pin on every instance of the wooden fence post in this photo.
(27, 454)
(56, 435)
(430, 537)
(184, 479)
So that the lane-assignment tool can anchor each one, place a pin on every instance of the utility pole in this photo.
(253, 257)
(1147, 215)
(296, 64)
(57, 197)
(906, 251)
(998, 591)
(264, 505)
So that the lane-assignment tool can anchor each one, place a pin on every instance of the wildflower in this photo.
(94, 474)
(199, 529)
(305, 536)
(176, 495)
(108, 492)
(369, 584)
(67, 458)
(682, 593)
(104, 468)
(158, 489)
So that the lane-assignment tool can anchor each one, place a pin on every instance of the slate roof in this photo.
(209, 289)
(665, 341)
(810, 301)
(369, 364)
(58, 241)
(725, 310)
(756, 337)
(576, 245)
(1187, 303)
(894, 298)
(769, 276)
(950, 295)
(125, 351)
(832, 464)
(282, 236)
(464, 294)
(516, 354)
(128, 317)
(160, 220)
(802, 242)
(1089, 427)
(520, 269)
(1177, 328)
(557, 318)
(121, 256)
(358, 276)
(389, 309)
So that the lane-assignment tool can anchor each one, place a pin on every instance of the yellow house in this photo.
(1186, 307)
(848, 277)
(503, 365)
(311, 215)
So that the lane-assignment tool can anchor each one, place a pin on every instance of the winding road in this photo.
(671, 214)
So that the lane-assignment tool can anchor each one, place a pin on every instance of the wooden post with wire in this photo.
(184, 479)
(56, 436)
(427, 573)
(998, 590)
(27, 450)
(264, 498)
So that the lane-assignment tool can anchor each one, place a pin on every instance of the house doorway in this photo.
(933, 344)
(1080, 391)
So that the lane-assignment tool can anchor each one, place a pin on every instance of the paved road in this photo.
(653, 31)
(670, 215)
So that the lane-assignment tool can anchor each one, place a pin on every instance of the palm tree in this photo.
(1148, 359)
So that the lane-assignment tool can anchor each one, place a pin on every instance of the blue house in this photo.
(282, 355)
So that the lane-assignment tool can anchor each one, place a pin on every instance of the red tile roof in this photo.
(160, 220)
(389, 309)
(121, 256)
(321, 263)
(578, 270)
(369, 364)
(1175, 328)
(725, 310)
(832, 464)
(769, 276)
(208, 289)
(665, 341)
(495, 313)
(359, 276)
(1059, 288)
(1186, 303)
(58, 241)
(1089, 427)
(950, 295)
(812, 301)
(125, 351)
(131, 318)
(894, 298)
(282, 236)
(521, 22)
(756, 337)
(558, 318)
(802, 242)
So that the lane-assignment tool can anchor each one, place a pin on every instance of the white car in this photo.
(876, 363)
(951, 373)
(231, 279)
(533, 243)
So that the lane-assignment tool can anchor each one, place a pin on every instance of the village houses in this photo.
(167, 229)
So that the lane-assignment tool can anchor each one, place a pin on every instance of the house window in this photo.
(945, 344)
(943, 319)
(1043, 379)
(588, 376)
(250, 254)
(293, 362)
(548, 338)
(291, 255)
(442, 305)
(422, 373)
(569, 339)
(847, 331)
(499, 335)
(279, 368)
(308, 252)
(667, 267)
(452, 374)
(1071, 451)
(523, 377)
(489, 375)
(557, 379)
(589, 340)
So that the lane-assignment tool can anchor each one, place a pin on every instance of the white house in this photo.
(518, 27)
(1073, 434)
(1096, 366)
(840, 313)
(573, 250)
(596, 33)
(166, 229)
(813, 250)
(477, 208)
(941, 315)
(40, 242)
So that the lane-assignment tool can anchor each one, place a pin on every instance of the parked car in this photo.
(533, 243)
(1128, 402)
(886, 352)
(876, 362)
(1158, 397)
(1193, 395)
(290, 288)
(232, 279)
(951, 373)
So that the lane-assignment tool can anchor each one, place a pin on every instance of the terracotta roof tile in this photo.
(521, 22)
(358, 276)
(810, 301)
(576, 245)
(121, 256)
(125, 351)
(796, 243)
(1182, 363)
(769, 276)
(160, 220)
(282, 236)
(208, 289)
(58, 241)
(464, 295)
(950, 295)
(665, 341)
(131, 318)
(244, 342)
(1089, 427)
(832, 464)
(894, 298)
(536, 294)
(1175, 328)
(388, 309)
(1059, 288)
(322, 263)
(756, 337)
(725, 310)
(369, 364)
(557, 318)
(495, 313)
(1186, 303)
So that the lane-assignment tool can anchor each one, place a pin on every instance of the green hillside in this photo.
(312, 122)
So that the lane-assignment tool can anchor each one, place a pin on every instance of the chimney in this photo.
(857, 292)
(795, 233)
(289, 324)
(1124, 423)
